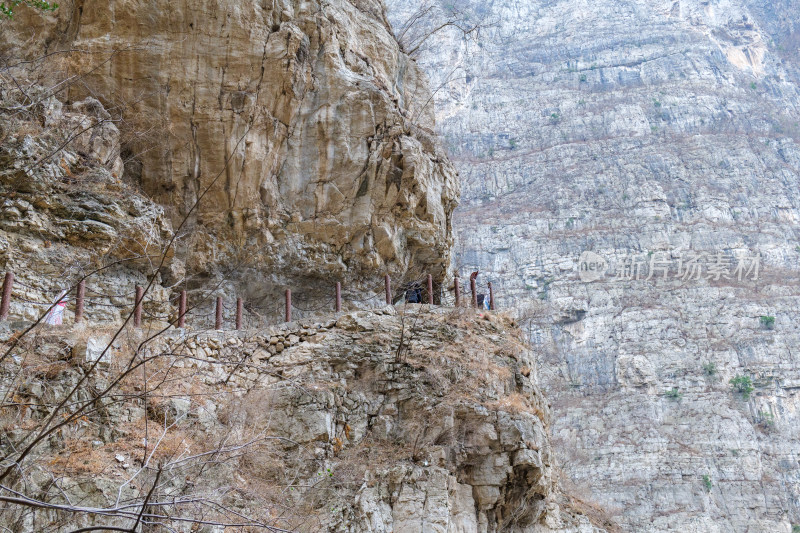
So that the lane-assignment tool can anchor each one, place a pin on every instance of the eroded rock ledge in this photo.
(387, 422)
(310, 129)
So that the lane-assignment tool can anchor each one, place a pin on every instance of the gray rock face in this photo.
(644, 132)
(65, 213)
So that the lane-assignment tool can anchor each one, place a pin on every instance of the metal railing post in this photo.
(137, 310)
(182, 310)
(474, 289)
(218, 317)
(79, 301)
(8, 282)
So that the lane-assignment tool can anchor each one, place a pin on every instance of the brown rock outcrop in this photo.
(307, 126)
(405, 420)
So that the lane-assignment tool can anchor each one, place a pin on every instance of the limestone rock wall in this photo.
(297, 128)
(302, 133)
(415, 420)
(642, 130)
(65, 214)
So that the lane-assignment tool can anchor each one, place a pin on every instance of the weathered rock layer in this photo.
(427, 420)
(292, 134)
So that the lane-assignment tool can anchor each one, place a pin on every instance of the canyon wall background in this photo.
(641, 130)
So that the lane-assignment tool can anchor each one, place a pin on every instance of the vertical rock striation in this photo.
(642, 130)
(298, 129)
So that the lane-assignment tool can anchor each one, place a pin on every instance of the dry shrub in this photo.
(519, 403)
(28, 128)
(513, 403)
(13, 417)
(43, 369)
(596, 514)
(253, 410)
(80, 457)
(579, 500)
(176, 444)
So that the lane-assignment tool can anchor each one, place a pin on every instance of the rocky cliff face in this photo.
(422, 420)
(276, 145)
(646, 133)
(65, 214)
(297, 129)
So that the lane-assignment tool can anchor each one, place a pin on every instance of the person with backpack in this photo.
(414, 294)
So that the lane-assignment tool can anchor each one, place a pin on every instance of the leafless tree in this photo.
(433, 17)
(60, 411)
